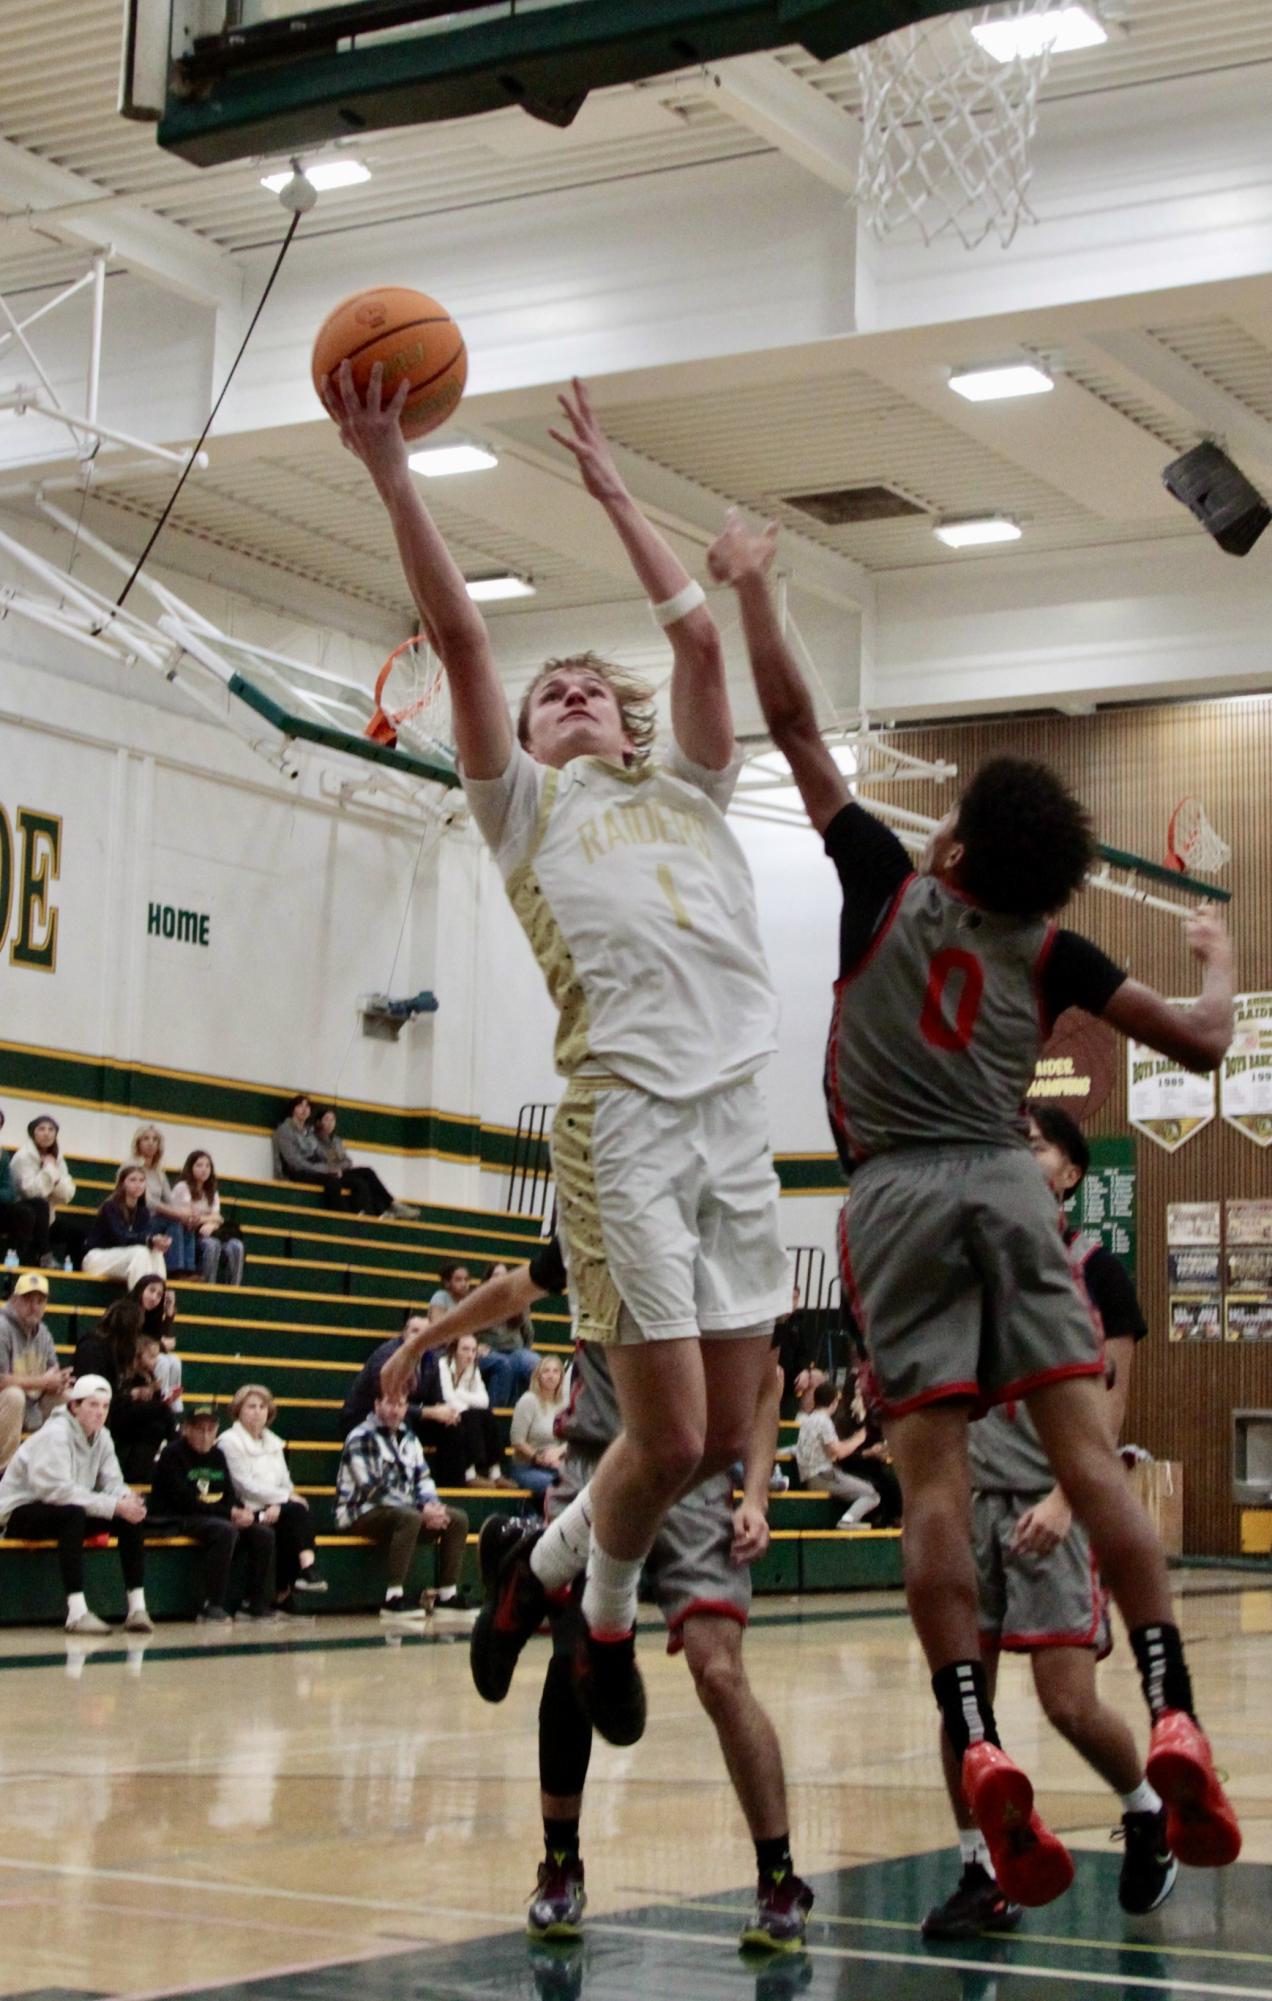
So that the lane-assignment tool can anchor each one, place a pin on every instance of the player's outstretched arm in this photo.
(486, 1306)
(1198, 1035)
(741, 557)
(372, 431)
(701, 718)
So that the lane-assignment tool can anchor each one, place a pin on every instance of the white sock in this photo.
(393, 1593)
(137, 1600)
(972, 1847)
(609, 1594)
(445, 1593)
(1143, 1800)
(561, 1551)
(76, 1604)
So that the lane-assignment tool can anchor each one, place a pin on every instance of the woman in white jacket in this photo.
(258, 1466)
(40, 1173)
(464, 1390)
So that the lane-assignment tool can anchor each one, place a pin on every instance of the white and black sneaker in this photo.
(1148, 1867)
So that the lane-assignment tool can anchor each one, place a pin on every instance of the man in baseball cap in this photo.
(64, 1482)
(31, 1382)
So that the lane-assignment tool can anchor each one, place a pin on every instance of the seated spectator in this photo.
(141, 1422)
(871, 1460)
(795, 1338)
(64, 1482)
(505, 1353)
(124, 1240)
(534, 1448)
(434, 1421)
(819, 1453)
(24, 1219)
(464, 1390)
(32, 1382)
(205, 1251)
(385, 1491)
(40, 1174)
(299, 1156)
(192, 1490)
(454, 1282)
(369, 1195)
(147, 1154)
(257, 1459)
(168, 1367)
(108, 1349)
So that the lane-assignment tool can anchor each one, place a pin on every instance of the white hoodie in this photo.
(61, 1465)
(257, 1466)
(34, 1174)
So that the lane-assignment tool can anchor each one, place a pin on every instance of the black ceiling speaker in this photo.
(1220, 496)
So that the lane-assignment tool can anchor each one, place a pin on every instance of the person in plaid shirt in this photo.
(384, 1491)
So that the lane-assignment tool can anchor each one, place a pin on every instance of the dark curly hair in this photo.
(1027, 842)
(1058, 1129)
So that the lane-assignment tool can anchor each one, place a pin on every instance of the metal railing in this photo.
(530, 1175)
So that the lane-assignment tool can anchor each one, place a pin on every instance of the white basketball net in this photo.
(1193, 845)
(948, 131)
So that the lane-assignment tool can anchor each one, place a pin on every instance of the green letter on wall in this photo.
(36, 941)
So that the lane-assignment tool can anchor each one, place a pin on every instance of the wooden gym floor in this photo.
(333, 1813)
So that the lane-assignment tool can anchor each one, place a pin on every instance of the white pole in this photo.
(95, 337)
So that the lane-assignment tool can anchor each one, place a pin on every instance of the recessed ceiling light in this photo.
(1060, 31)
(977, 532)
(323, 174)
(488, 590)
(440, 461)
(992, 385)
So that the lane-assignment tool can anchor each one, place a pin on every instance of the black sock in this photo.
(962, 1695)
(560, 1837)
(1159, 1655)
(773, 1856)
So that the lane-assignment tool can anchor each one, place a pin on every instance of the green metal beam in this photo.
(546, 61)
(290, 725)
(1122, 858)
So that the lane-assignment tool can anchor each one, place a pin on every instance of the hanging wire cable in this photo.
(173, 497)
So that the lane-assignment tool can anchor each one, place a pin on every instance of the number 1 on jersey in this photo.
(933, 1025)
(667, 884)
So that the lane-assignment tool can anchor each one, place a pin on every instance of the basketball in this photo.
(410, 335)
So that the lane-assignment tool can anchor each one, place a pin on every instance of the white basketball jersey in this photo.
(639, 905)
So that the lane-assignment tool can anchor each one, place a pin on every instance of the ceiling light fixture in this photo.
(1058, 32)
(489, 590)
(994, 385)
(977, 532)
(441, 461)
(323, 174)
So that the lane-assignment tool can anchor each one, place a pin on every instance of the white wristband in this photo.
(672, 610)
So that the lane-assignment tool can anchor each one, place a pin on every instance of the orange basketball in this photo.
(410, 335)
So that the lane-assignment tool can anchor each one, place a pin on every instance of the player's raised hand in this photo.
(370, 428)
(739, 551)
(1206, 934)
(590, 446)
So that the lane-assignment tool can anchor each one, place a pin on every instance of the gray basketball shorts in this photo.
(1031, 1602)
(954, 1265)
(690, 1568)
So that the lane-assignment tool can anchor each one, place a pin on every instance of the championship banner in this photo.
(1163, 1100)
(1245, 1085)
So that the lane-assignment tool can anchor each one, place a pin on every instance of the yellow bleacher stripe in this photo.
(378, 1222)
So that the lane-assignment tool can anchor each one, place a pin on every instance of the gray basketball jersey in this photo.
(936, 1032)
(1003, 1447)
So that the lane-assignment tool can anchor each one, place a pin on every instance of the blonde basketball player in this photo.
(638, 903)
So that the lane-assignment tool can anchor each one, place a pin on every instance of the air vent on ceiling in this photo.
(849, 506)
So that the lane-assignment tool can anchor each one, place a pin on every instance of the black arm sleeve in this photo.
(872, 865)
(1113, 1296)
(547, 1267)
(1078, 974)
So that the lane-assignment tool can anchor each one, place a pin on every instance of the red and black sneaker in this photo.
(607, 1681)
(556, 1911)
(1032, 1866)
(1201, 1828)
(782, 1903)
(513, 1606)
(976, 1906)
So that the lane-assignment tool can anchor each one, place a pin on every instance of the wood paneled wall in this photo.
(1131, 767)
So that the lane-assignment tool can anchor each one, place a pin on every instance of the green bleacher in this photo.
(321, 1290)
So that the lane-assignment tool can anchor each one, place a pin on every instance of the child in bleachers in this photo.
(818, 1452)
